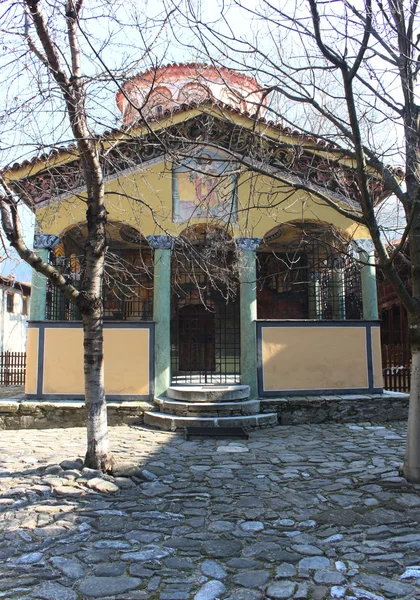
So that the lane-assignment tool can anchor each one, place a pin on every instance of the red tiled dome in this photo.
(166, 88)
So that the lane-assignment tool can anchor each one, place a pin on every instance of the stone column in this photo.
(339, 291)
(314, 297)
(162, 245)
(43, 244)
(248, 304)
(368, 275)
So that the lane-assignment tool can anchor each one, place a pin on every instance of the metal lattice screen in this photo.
(127, 287)
(205, 318)
(308, 278)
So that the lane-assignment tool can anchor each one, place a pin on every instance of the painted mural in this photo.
(204, 186)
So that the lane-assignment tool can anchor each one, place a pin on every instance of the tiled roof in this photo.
(117, 132)
(10, 281)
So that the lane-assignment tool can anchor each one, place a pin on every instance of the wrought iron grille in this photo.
(127, 288)
(205, 317)
(308, 279)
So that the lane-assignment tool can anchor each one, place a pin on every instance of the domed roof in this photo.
(166, 88)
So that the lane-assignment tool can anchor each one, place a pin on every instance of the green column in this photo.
(339, 292)
(369, 291)
(314, 297)
(43, 243)
(248, 303)
(162, 310)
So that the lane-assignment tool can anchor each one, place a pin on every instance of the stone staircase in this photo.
(207, 406)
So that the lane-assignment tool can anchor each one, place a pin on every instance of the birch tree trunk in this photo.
(411, 468)
(89, 301)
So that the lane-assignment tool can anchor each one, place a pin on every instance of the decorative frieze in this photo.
(302, 166)
(45, 241)
(160, 242)
(245, 243)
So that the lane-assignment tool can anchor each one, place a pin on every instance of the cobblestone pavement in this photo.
(294, 512)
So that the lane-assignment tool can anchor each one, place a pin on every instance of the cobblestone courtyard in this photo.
(294, 512)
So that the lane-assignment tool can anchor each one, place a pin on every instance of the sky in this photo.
(133, 37)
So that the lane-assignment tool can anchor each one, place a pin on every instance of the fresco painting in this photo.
(204, 186)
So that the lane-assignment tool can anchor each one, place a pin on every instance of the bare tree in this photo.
(51, 51)
(352, 70)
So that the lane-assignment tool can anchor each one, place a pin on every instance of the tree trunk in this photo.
(98, 455)
(411, 467)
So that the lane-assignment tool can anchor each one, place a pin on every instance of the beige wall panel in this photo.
(32, 361)
(311, 358)
(126, 354)
(378, 380)
(63, 361)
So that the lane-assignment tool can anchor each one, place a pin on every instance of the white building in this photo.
(14, 309)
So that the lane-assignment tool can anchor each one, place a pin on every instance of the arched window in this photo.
(193, 92)
(308, 271)
(128, 274)
(159, 99)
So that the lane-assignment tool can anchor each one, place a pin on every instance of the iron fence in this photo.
(12, 368)
(308, 280)
(205, 314)
(396, 365)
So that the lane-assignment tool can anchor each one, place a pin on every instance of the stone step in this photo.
(173, 422)
(208, 393)
(207, 409)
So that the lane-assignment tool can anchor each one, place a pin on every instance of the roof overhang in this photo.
(262, 146)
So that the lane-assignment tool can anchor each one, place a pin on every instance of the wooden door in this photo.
(196, 339)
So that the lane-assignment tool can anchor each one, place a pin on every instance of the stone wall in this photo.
(22, 414)
(15, 414)
(379, 408)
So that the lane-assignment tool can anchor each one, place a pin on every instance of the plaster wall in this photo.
(299, 358)
(55, 361)
(144, 200)
(13, 325)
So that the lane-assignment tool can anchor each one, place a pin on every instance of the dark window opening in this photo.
(308, 279)
(10, 303)
(127, 287)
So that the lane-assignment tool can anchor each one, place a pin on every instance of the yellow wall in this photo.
(31, 361)
(378, 380)
(311, 358)
(144, 201)
(126, 355)
(63, 361)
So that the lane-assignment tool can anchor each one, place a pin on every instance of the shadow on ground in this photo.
(294, 512)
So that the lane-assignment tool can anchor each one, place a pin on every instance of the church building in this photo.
(234, 269)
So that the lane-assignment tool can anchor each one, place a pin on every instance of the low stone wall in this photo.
(18, 413)
(23, 414)
(378, 408)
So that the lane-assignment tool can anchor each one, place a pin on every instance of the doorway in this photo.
(205, 321)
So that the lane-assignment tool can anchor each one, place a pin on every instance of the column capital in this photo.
(248, 243)
(45, 241)
(160, 242)
(364, 245)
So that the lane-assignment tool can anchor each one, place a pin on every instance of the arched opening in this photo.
(158, 101)
(205, 333)
(308, 270)
(128, 274)
(194, 92)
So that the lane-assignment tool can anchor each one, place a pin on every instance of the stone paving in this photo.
(302, 512)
